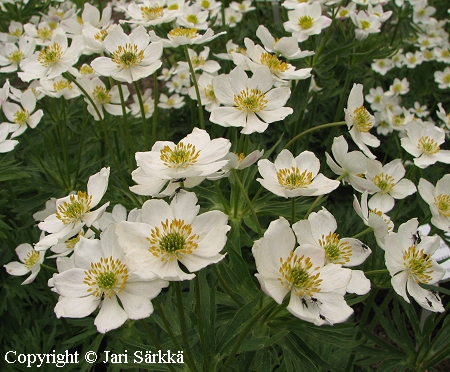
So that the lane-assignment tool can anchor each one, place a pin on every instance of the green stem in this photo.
(362, 233)
(49, 268)
(168, 329)
(197, 92)
(252, 210)
(94, 229)
(156, 108)
(225, 286)
(222, 199)
(127, 127)
(141, 106)
(364, 317)
(154, 339)
(376, 272)
(245, 331)
(180, 307)
(198, 310)
(313, 129)
(293, 210)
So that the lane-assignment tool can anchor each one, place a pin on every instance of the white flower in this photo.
(59, 87)
(6, 145)
(151, 13)
(256, 57)
(192, 16)
(100, 277)
(316, 290)
(12, 55)
(22, 117)
(423, 142)
(206, 91)
(53, 59)
(184, 36)
(31, 262)
(285, 46)
(398, 87)
(147, 100)
(378, 221)
(443, 78)
(382, 66)
(237, 162)
(419, 110)
(409, 262)
(319, 231)
(249, 102)
(438, 198)
(290, 177)
(169, 234)
(132, 57)
(90, 15)
(306, 20)
(387, 184)
(175, 101)
(442, 114)
(107, 99)
(360, 121)
(365, 24)
(350, 165)
(200, 61)
(74, 211)
(189, 162)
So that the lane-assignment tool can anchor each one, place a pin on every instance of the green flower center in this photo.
(297, 274)
(101, 95)
(192, 18)
(106, 277)
(128, 56)
(418, 264)
(15, 57)
(150, 13)
(274, 64)
(252, 100)
(172, 240)
(75, 209)
(362, 120)
(181, 156)
(384, 182)
(21, 117)
(428, 145)
(305, 22)
(442, 203)
(336, 251)
(31, 259)
(293, 179)
(62, 84)
(50, 55)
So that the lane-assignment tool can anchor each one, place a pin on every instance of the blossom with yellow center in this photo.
(316, 290)
(438, 199)
(173, 234)
(409, 262)
(30, 262)
(132, 57)
(360, 121)
(290, 177)
(101, 278)
(423, 140)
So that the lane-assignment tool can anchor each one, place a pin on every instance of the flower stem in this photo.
(293, 210)
(252, 210)
(197, 92)
(180, 307)
(156, 108)
(198, 310)
(141, 106)
(225, 286)
(376, 272)
(166, 324)
(313, 129)
(245, 331)
(362, 233)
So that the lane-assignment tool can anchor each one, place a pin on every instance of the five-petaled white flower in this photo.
(316, 290)
(409, 262)
(290, 177)
(188, 163)
(74, 211)
(360, 121)
(31, 261)
(131, 57)
(173, 234)
(100, 277)
(249, 102)
(423, 140)
(438, 198)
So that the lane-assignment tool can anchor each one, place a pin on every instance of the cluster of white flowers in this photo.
(119, 261)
